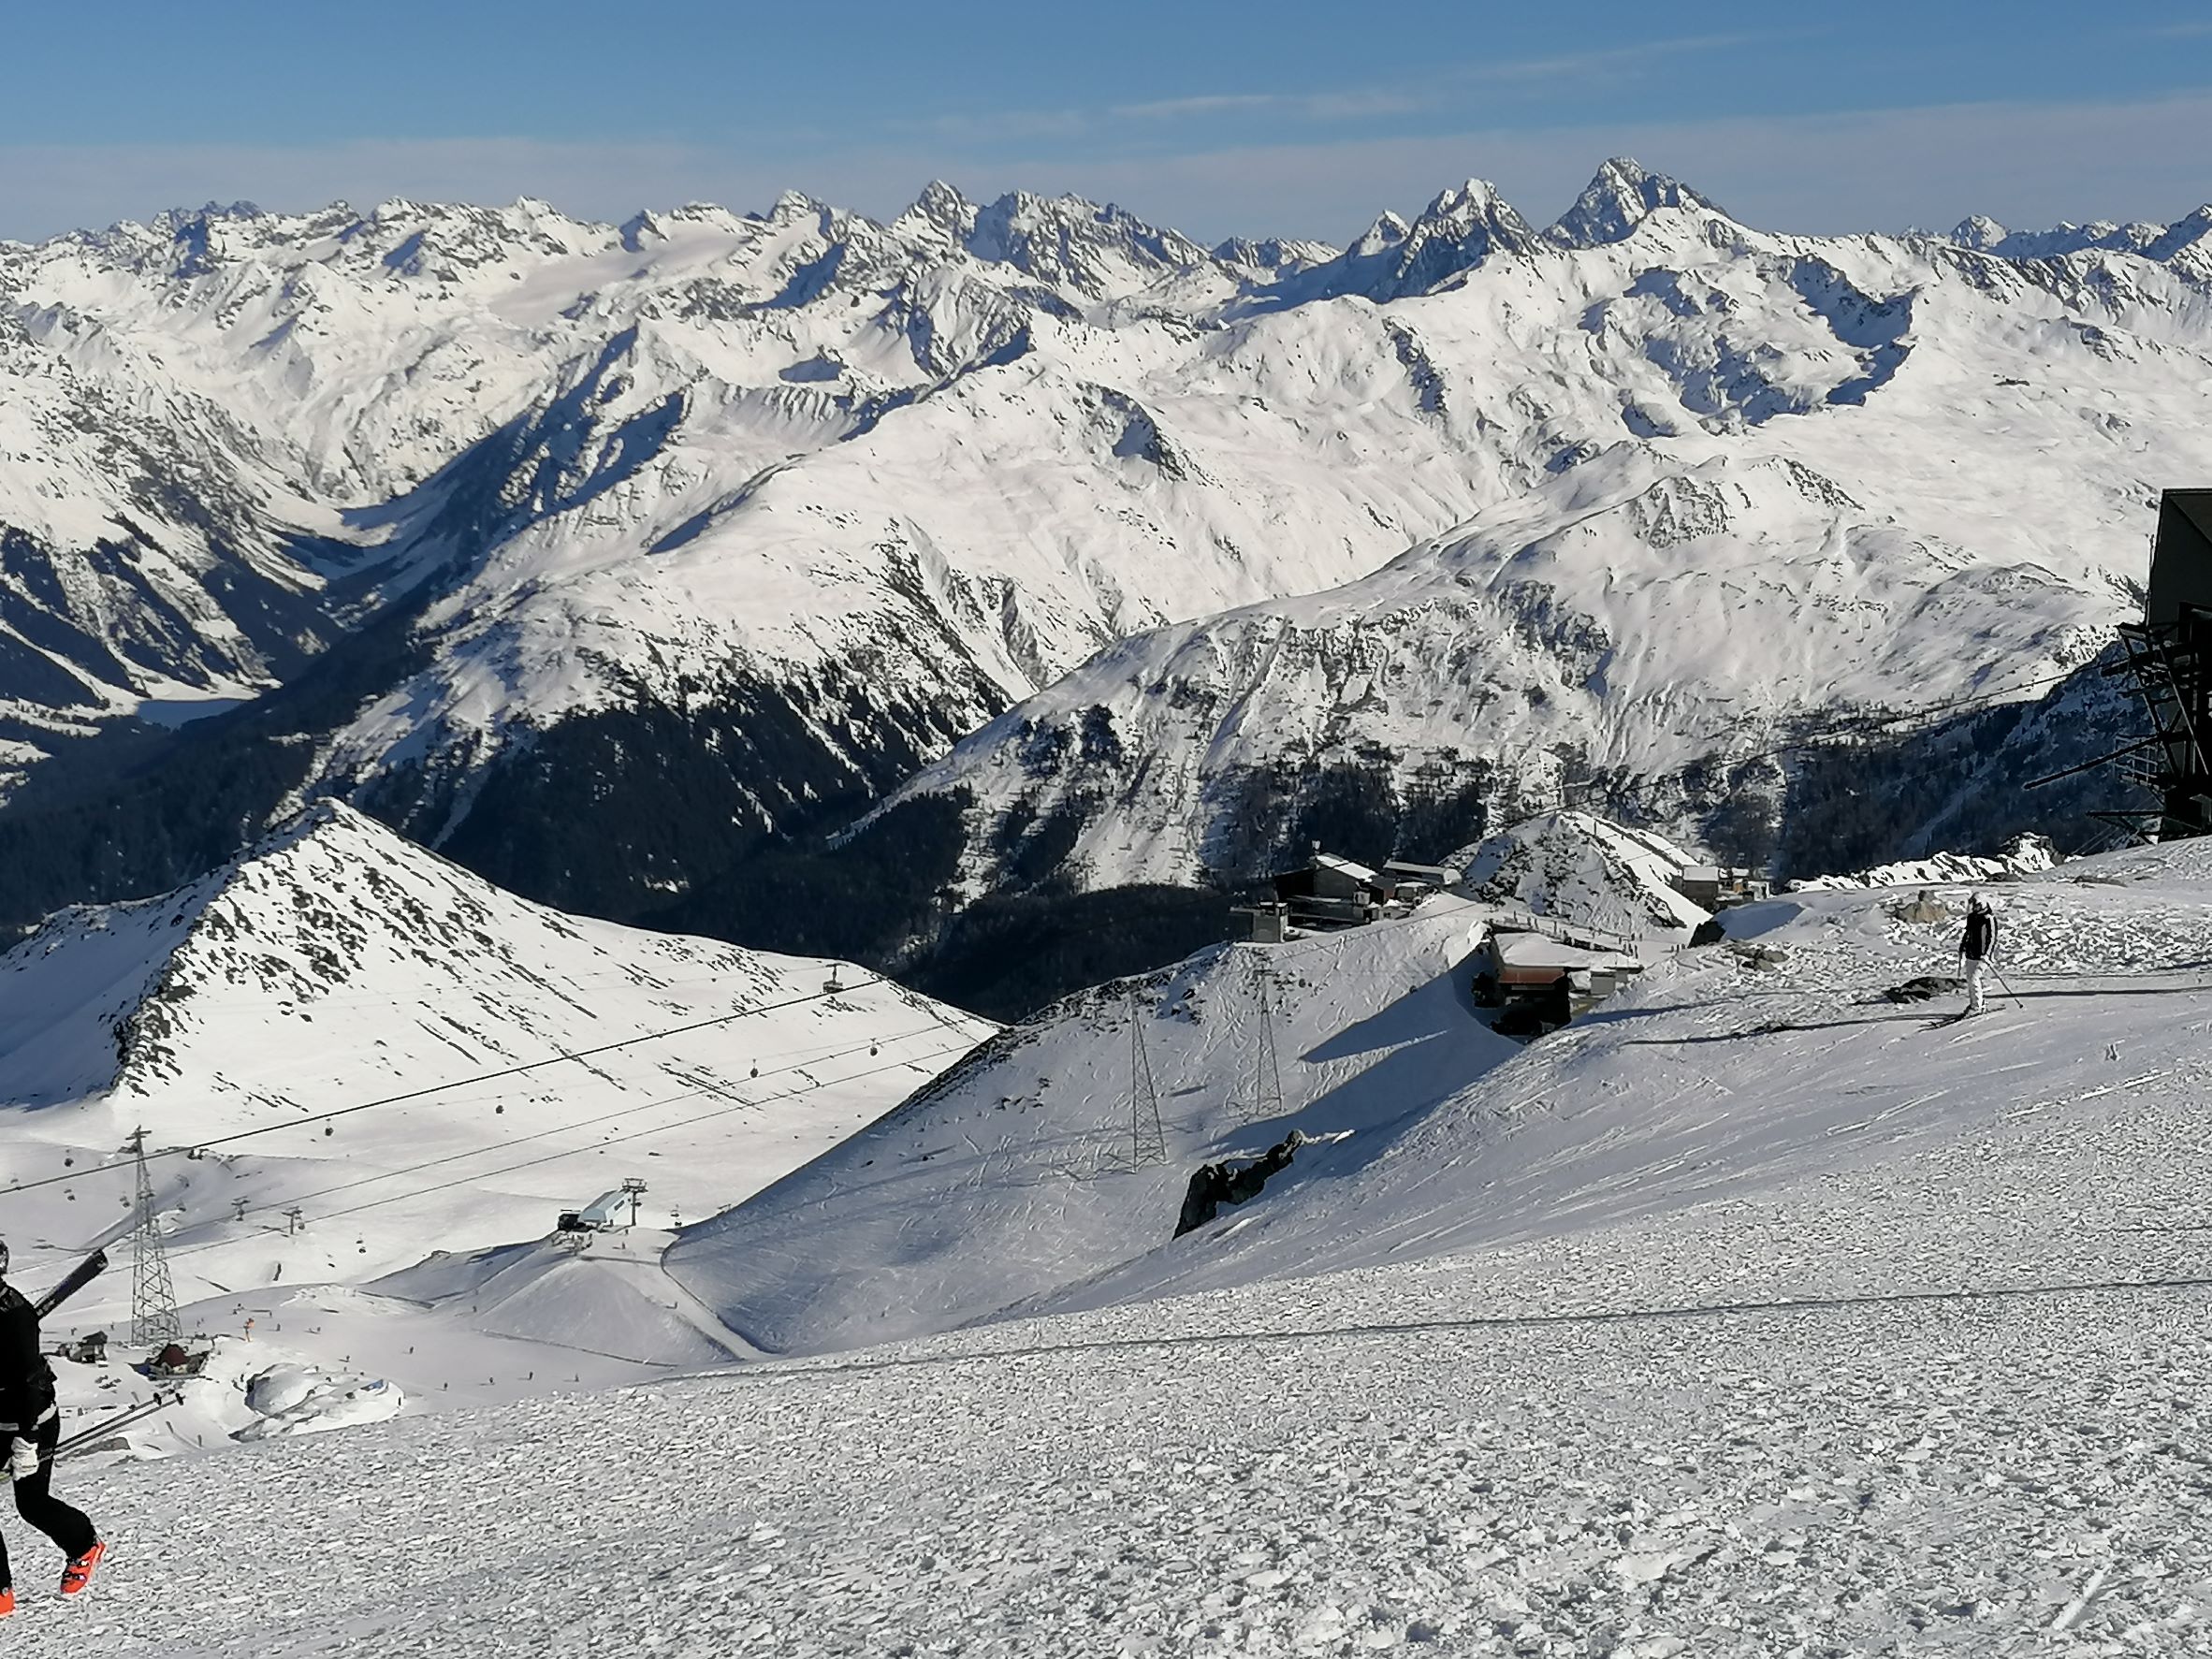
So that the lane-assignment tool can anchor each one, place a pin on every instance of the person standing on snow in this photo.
(1977, 946)
(30, 1426)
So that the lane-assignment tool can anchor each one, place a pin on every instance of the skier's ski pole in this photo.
(2008, 990)
(130, 1418)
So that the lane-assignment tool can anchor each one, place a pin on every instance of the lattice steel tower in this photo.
(1265, 1099)
(1148, 1138)
(153, 1297)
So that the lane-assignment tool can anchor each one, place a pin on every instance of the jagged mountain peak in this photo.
(1979, 232)
(2192, 230)
(1465, 199)
(1387, 232)
(1473, 214)
(941, 208)
(1273, 254)
(1621, 195)
(1100, 249)
(334, 921)
(1456, 232)
(793, 205)
(1460, 229)
(326, 819)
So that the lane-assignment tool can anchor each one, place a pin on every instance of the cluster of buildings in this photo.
(1537, 971)
(1334, 891)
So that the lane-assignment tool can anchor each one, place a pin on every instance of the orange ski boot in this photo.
(77, 1574)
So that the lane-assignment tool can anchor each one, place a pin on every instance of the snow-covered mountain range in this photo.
(794, 501)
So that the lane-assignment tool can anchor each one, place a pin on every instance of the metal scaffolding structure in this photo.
(1148, 1136)
(153, 1295)
(2168, 658)
(1264, 1099)
(2170, 662)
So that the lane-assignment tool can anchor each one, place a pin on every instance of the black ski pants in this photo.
(34, 1500)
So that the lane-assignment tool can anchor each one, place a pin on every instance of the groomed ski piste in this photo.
(1749, 1315)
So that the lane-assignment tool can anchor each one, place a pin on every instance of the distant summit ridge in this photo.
(1622, 197)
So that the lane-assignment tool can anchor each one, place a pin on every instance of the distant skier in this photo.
(1977, 946)
(30, 1426)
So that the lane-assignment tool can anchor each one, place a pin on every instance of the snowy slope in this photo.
(1629, 623)
(1746, 1321)
(1585, 869)
(2029, 854)
(1723, 1071)
(1778, 1098)
(337, 964)
(855, 487)
(1010, 1175)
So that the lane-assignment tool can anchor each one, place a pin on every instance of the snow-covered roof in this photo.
(1441, 875)
(1537, 950)
(1344, 866)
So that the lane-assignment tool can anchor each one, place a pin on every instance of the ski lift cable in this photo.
(481, 1176)
(200, 1147)
(630, 1111)
(736, 1105)
(349, 998)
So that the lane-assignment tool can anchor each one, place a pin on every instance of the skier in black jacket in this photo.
(30, 1425)
(1977, 946)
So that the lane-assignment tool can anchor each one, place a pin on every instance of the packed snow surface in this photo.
(1751, 1317)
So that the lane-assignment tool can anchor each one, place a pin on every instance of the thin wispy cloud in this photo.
(1613, 60)
(1434, 90)
(2026, 164)
(2199, 30)
(1205, 104)
(1001, 124)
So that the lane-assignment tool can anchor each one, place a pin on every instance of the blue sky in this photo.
(1295, 118)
